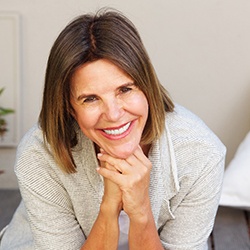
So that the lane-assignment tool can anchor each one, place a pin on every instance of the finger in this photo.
(141, 157)
(119, 164)
(138, 159)
(106, 165)
(111, 175)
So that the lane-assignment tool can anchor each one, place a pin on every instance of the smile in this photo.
(117, 131)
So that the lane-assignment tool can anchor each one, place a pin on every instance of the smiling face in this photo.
(108, 107)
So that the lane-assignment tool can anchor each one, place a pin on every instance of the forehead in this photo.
(98, 74)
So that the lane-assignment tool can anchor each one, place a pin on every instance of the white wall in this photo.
(200, 49)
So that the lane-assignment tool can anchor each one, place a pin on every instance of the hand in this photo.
(112, 193)
(132, 176)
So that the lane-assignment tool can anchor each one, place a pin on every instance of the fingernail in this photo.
(99, 155)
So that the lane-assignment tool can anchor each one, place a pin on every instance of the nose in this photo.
(113, 109)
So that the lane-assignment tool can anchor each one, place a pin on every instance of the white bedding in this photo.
(236, 186)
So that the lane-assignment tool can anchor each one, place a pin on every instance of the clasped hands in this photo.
(126, 182)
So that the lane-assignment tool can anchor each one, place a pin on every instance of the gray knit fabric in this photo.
(58, 209)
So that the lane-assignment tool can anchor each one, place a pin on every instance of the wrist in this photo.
(110, 208)
(142, 217)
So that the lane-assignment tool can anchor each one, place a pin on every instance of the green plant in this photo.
(4, 112)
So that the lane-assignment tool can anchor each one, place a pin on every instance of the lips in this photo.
(119, 131)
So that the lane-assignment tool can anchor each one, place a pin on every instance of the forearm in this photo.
(105, 231)
(143, 233)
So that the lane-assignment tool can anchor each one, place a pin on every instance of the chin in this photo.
(122, 153)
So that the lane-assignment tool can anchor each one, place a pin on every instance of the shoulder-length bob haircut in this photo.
(108, 34)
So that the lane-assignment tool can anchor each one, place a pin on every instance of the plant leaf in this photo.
(4, 111)
(1, 90)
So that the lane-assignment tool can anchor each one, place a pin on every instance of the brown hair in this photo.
(104, 35)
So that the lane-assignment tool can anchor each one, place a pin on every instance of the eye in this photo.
(89, 99)
(125, 89)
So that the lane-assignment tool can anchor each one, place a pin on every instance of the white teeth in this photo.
(117, 131)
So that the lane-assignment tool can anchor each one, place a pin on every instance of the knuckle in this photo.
(138, 177)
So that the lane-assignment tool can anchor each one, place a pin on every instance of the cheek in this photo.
(140, 104)
(85, 119)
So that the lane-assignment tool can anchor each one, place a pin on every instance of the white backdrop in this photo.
(200, 49)
(10, 75)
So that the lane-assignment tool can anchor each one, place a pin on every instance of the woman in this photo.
(112, 162)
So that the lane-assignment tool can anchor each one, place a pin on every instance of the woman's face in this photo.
(109, 108)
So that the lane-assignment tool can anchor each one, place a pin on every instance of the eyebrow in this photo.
(82, 96)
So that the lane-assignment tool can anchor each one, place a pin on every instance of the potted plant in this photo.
(3, 113)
